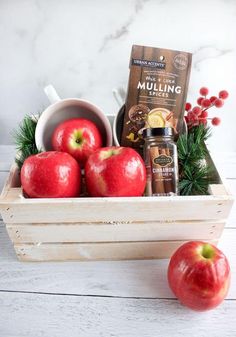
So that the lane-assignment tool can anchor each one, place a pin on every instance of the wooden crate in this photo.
(110, 228)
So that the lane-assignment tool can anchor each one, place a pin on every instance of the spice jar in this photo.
(160, 155)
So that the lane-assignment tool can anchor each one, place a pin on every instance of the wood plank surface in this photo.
(40, 315)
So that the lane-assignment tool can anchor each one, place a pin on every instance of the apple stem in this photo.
(207, 251)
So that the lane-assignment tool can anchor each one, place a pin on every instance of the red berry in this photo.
(223, 94)
(189, 114)
(204, 114)
(191, 117)
(196, 110)
(204, 91)
(199, 101)
(218, 103)
(188, 106)
(194, 118)
(215, 121)
(213, 98)
(203, 121)
(206, 103)
(186, 119)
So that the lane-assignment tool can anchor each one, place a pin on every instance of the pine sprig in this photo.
(192, 152)
(195, 180)
(24, 138)
(191, 146)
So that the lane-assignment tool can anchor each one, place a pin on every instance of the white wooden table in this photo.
(121, 298)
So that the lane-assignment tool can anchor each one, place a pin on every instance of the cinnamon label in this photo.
(157, 91)
(163, 171)
(163, 160)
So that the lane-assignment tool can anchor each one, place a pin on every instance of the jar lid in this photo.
(153, 132)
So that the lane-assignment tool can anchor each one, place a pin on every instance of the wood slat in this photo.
(98, 232)
(230, 184)
(18, 210)
(97, 251)
(43, 315)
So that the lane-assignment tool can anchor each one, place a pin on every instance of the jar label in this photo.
(163, 160)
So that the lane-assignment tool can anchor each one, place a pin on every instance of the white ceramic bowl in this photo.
(63, 109)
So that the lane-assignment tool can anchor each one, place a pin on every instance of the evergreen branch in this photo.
(28, 151)
(192, 152)
(24, 139)
(195, 180)
(191, 146)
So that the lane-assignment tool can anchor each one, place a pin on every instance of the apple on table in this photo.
(199, 275)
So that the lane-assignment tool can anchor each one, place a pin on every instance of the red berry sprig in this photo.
(199, 114)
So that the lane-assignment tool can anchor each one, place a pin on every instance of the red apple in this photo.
(115, 172)
(78, 137)
(51, 175)
(199, 275)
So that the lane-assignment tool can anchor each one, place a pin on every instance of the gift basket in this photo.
(136, 185)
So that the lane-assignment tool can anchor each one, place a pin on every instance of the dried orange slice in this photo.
(155, 120)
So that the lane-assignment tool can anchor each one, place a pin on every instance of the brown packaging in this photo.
(157, 91)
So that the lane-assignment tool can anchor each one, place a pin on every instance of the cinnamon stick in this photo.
(168, 180)
(158, 187)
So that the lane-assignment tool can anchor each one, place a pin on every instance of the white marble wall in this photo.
(83, 49)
